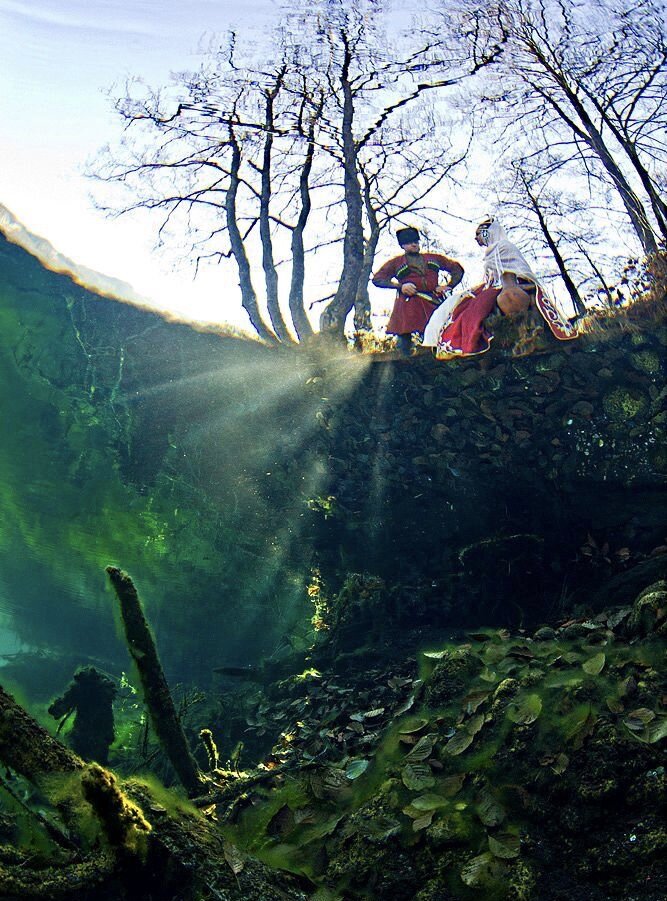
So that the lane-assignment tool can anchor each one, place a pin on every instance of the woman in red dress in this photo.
(509, 286)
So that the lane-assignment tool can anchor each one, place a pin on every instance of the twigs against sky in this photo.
(331, 132)
(342, 124)
(576, 107)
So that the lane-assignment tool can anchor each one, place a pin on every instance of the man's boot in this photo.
(404, 345)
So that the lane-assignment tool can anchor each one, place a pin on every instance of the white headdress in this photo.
(502, 256)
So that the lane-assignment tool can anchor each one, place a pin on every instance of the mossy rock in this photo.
(647, 361)
(506, 690)
(545, 633)
(622, 404)
(451, 677)
(649, 611)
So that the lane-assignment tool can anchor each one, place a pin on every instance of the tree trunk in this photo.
(658, 205)
(572, 290)
(589, 133)
(614, 124)
(270, 272)
(362, 303)
(632, 203)
(334, 316)
(598, 274)
(189, 850)
(300, 319)
(156, 691)
(27, 748)
(248, 295)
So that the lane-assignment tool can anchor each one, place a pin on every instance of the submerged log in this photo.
(156, 691)
(191, 856)
(27, 748)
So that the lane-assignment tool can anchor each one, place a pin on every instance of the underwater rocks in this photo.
(649, 612)
(450, 676)
(517, 767)
(519, 485)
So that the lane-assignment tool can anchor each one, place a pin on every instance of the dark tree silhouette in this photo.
(330, 133)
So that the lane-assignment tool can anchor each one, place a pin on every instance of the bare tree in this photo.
(329, 131)
(560, 54)
(374, 87)
(627, 87)
(206, 157)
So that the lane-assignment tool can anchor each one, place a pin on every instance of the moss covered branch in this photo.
(156, 691)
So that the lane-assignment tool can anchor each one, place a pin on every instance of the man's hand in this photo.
(409, 289)
(441, 290)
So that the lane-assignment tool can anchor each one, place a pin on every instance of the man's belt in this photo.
(431, 298)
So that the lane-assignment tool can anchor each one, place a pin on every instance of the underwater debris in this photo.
(90, 697)
(156, 691)
(124, 822)
(117, 850)
(211, 749)
(511, 771)
(27, 748)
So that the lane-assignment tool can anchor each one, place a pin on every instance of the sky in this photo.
(58, 61)
(58, 58)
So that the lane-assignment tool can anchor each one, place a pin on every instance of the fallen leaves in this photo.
(490, 811)
(581, 727)
(482, 870)
(526, 710)
(505, 845)
(417, 776)
(458, 743)
(234, 857)
(423, 749)
(356, 768)
(594, 665)
(646, 725)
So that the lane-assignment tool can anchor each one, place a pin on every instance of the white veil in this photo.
(500, 256)
(503, 256)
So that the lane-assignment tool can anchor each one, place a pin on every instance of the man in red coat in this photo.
(414, 276)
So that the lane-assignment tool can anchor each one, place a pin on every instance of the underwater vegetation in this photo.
(410, 616)
(501, 765)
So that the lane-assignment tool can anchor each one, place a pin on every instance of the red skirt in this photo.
(465, 334)
(410, 314)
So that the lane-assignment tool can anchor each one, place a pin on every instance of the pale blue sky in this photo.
(57, 58)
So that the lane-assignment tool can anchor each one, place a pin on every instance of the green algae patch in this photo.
(525, 710)
(647, 361)
(622, 404)
(172, 800)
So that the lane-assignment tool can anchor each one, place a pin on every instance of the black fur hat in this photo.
(407, 236)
